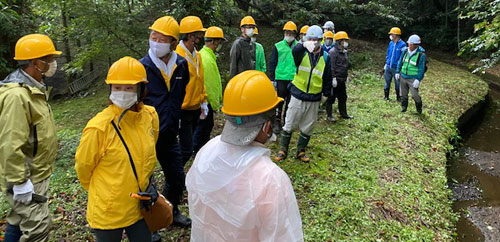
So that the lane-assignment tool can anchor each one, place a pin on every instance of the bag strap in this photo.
(128, 152)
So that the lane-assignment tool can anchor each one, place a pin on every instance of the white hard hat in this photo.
(414, 39)
(329, 25)
(314, 32)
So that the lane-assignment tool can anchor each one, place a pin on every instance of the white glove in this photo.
(323, 99)
(397, 76)
(416, 83)
(334, 82)
(385, 67)
(204, 111)
(309, 45)
(23, 193)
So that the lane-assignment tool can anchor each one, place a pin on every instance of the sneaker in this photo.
(331, 119)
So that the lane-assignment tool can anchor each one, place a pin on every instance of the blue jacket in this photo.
(326, 50)
(420, 64)
(167, 103)
(394, 53)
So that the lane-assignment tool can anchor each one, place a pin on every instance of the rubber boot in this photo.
(386, 94)
(343, 110)
(301, 147)
(398, 98)
(404, 105)
(180, 220)
(12, 233)
(284, 143)
(419, 107)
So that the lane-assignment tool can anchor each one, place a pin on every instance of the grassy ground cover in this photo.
(380, 176)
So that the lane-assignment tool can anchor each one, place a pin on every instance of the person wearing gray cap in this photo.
(411, 68)
(235, 191)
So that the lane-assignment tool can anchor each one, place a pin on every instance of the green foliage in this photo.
(486, 39)
(13, 24)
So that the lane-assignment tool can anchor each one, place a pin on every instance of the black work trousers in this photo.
(168, 152)
(339, 93)
(203, 130)
(283, 92)
(189, 120)
(137, 232)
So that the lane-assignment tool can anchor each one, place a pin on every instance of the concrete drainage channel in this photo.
(474, 174)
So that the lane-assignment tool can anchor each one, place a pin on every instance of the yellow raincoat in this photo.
(104, 169)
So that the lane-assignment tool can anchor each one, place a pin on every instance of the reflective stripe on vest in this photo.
(310, 82)
(409, 66)
(285, 70)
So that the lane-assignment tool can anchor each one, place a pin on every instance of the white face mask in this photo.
(123, 99)
(391, 38)
(160, 49)
(249, 32)
(304, 39)
(52, 69)
(289, 39)
(253, 39)
(328, 42)
(346, 44)
(218, 47)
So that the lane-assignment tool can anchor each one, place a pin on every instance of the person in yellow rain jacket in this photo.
(102, 162)
(28, 136)
(195, 105)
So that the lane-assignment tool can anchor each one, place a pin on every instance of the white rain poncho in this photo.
(236, 193)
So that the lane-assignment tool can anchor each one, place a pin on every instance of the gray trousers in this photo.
(404, 86)
(301, 114)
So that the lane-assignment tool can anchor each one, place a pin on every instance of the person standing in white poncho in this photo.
(235, 191)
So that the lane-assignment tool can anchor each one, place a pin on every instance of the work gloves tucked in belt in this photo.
(23, 193)
(416, 83)
(204, 111)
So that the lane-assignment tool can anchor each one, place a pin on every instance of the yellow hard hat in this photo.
(191, 24)
(214, 32)
(249, 93)
(304, 29)
(34, 46)
(341, 35)
(247, 20)
(126, 70)
(167, 26)
(395, 30)
(256, 31)
(328, 34)
(290, 26)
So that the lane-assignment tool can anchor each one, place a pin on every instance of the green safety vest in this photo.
(307, 80)
(260, 59)
(285, 69)
(409, 66)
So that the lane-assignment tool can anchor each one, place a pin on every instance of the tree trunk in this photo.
(64, 19)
